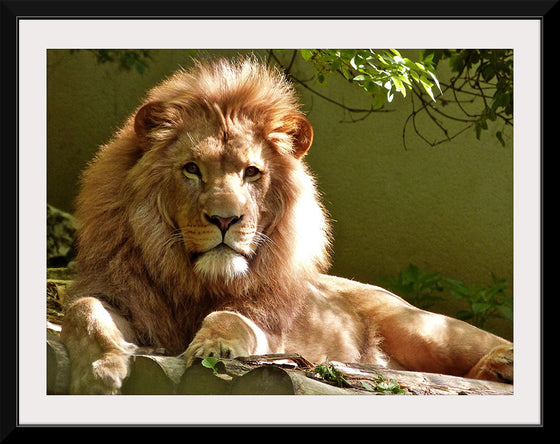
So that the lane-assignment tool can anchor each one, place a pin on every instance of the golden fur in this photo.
(200, 226)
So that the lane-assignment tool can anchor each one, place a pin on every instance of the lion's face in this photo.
(224, 180)
(218, 191)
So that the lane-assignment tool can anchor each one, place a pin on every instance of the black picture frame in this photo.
(12, 12)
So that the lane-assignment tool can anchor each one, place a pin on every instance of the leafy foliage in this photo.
(485, 302)
(481, 86)
(329, 373)
(480, 89)
(423, 289)
(380, 74)
(483, 73)
(383, 386)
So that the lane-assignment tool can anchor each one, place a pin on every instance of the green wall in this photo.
(447, 208)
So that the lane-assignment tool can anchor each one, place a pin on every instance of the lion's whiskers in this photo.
(262, 239)
(175, 237)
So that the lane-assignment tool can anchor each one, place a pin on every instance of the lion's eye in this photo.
(252, 173)
(191, 169)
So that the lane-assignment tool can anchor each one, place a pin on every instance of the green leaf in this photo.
(427, 86)
(428, 58)
(369, 87)
(367, 386)
(399, 86)
(506, 311)
(488, 72)
(210, 362)
(406, 81)
(377, 101)
(480, 307)
(336, 65)
(307, 54)
(436, 81)
(360, 78)
(500, 138)
(389, 387)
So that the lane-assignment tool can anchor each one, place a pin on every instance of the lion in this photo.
(201, 232)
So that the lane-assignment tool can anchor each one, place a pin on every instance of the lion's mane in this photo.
(130, 252)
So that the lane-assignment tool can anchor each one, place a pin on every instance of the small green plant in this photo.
(485, 302)
(422, 289)
(329, 373)
(384, 386)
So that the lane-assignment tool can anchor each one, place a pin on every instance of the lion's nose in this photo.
(223, 223)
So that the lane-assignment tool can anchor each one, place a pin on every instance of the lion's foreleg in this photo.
(98, 343)
(226, 334)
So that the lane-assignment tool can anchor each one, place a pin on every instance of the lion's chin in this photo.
(221, 263)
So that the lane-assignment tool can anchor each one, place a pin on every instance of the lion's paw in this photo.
(225, 334)
(101, 377)
(216, 347)
(497, 365)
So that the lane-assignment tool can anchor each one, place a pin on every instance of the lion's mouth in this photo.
(222, 249)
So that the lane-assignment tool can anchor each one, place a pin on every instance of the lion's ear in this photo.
(149, 117)
(157, 121)
(302, 135)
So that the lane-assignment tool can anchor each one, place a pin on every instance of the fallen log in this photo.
(420, 383)
(272, 380)
(58, 366)
(153, 374)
